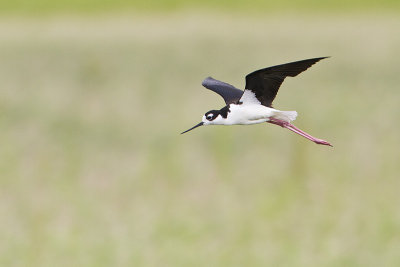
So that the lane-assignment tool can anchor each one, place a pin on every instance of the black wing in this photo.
(265, 83)
(228, 92)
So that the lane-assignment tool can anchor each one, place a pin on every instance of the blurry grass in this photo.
(40, 7)
(94, 172)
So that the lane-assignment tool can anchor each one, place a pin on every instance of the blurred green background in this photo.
(93, 171)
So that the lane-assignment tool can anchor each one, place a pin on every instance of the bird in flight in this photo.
(254, 104)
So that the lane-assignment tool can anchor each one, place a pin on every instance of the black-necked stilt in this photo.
(254, 104)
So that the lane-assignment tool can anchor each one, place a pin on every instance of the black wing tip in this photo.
(310, 61)
(321, 58)
(315, 60)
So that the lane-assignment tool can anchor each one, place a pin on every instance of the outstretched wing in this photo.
(228, 92)
(263, 85)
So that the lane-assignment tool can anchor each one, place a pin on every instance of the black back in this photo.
(265, 83)
(228, 92)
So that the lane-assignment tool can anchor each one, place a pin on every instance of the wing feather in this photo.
(265, 83)
(228, 92)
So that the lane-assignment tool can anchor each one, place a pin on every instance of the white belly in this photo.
(249, 114)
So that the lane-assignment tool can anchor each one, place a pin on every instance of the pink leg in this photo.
(293, 128)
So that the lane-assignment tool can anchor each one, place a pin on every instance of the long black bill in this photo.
(200, 124)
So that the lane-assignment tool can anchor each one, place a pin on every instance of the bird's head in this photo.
(212, 117)
(209, 118)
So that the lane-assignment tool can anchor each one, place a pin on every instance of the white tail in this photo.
(287, 116)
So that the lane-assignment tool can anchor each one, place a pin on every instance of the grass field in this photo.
(93, 171)
(50, 7)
